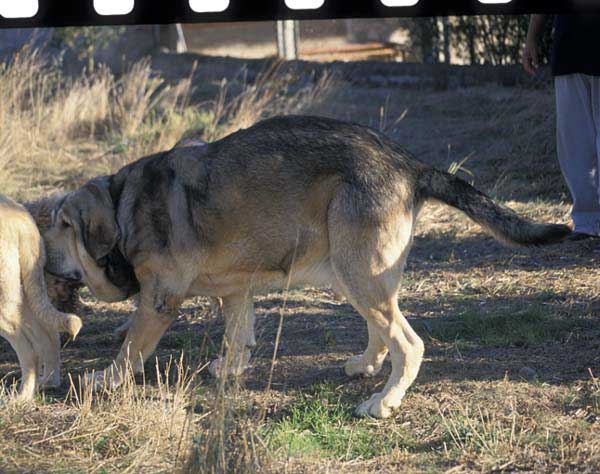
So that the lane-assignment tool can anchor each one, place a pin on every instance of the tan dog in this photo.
(63, 294)
(290, 201)
(27, 318)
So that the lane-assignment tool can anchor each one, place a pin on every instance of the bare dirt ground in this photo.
(512, 336)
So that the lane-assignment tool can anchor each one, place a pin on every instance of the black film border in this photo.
(57, 13)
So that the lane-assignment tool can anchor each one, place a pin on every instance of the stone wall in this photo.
(365, 73)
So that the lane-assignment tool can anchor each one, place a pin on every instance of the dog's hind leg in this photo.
(238, 311)
(19, 334)
(48, 350)
(370, 362)
(406, 351)
(15, 323)
(368, 254)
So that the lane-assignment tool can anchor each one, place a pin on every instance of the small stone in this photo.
(528, 373)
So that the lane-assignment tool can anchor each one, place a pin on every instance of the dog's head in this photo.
(81, 243)
(63, 294)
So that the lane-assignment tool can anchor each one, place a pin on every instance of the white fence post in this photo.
(288, 32)
(181, 43)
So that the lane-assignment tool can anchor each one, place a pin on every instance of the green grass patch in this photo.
(520, 327)
(322, 424)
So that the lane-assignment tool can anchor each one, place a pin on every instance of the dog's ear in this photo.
(98, 221)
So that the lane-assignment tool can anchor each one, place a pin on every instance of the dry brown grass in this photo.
(132, 429)
(59, 132)
(267, 96)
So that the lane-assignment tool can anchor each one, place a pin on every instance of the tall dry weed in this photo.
(267, 96)
(135, 428)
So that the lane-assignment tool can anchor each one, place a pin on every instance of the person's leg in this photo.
(595, 81)
(576, 143)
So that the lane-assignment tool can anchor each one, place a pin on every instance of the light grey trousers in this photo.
(578, 146)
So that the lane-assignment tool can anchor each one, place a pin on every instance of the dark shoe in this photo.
(577, 236)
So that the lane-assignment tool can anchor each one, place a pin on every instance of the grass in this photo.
(320, 424)
(485, 311)
(126, 429)
(513, 326)
(507, 436)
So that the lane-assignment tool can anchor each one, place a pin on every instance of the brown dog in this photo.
(216, 305)
(290, 201)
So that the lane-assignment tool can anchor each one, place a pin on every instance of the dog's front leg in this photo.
(48, 350)
(238, 311)
(156, 311)
(121, 331)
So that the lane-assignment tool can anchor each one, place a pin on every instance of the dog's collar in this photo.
(114, 191)
(116, 259)
(115, 196)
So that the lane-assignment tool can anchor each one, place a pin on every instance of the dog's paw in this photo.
(379, 405)
(356, 366)
(374, 407)
(72, 325)
(25, 398)
(99, 381)
(219, 368)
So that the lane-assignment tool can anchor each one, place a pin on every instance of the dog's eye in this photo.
(65, 224)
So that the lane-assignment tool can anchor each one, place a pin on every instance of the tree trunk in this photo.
(446, 31)
(429, 39)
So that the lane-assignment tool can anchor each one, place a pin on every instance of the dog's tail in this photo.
(32, 260)
(503, 223)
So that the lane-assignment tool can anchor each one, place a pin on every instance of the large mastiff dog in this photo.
(289, 201)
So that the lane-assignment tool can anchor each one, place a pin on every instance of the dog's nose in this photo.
(75, 276)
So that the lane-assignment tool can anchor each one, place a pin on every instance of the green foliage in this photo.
(493, 39)
(322, 424)
(520, 327)
(87, 40)
(480, 39)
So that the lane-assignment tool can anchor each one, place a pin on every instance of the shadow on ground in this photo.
(320, 333)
